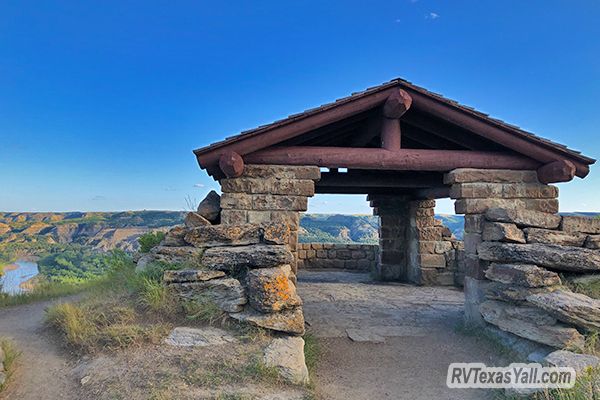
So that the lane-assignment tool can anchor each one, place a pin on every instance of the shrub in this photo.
(149, 240)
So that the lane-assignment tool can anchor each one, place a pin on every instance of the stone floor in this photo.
(387, 341)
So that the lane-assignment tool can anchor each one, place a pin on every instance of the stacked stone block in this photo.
(475, 192)
(438, 257)
(355, 257)
(394, 227)
(414, 246)
(515, 253)
(525, 258)
(269, 193)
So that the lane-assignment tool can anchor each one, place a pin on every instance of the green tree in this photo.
(149, 240)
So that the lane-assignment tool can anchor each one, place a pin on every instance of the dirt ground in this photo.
(48, 368)
(410, 338)
(418, 329)
(48, 371)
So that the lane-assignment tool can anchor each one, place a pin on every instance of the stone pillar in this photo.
(427, 246)
(478, 190)
(269, 193)
(394, 225)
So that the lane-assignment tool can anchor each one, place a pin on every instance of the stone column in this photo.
(269, 193)
(427, 247)
(478, 190)
(393, 230)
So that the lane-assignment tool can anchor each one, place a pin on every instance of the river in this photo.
(13, 277)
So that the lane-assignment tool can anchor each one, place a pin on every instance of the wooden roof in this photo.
(431, 123)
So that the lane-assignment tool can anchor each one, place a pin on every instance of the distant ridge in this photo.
(107, 230)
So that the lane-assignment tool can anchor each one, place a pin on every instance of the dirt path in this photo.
(44, 371)
(409, 338)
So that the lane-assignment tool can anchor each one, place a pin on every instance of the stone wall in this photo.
(269, 193)
(516, 246)
(475, 192)
(244, 270)
(356, 257)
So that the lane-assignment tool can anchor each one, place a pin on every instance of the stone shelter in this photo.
(403, 147)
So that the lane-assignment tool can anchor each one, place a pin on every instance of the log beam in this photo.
(294, 127)
(402, 160)
(556, 171)
(478, 126)
(232, 164)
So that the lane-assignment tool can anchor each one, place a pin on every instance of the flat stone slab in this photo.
(563, 258)
(190, 337)
(572, 308)
(191, 275)
(580, 362)
(530, 323)
(363, 335)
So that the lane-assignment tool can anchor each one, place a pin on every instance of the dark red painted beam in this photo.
(253, 142)
(491, 132)
(556, 171)
(402, 160)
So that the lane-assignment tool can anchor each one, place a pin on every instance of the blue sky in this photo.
(102, 102)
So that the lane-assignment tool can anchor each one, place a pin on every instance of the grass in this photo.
(590, 289)
(312, 352)
(45, 290)
(11, 354)
(203, 309)
(227, 373)
(126, 309)
(587, 387)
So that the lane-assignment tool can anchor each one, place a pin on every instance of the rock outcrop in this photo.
(210, 207)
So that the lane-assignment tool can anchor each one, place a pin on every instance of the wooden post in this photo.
(390, 134)
(395, 106)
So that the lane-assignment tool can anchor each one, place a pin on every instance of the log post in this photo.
(395, 106)
(391, 136)
(232, 164)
